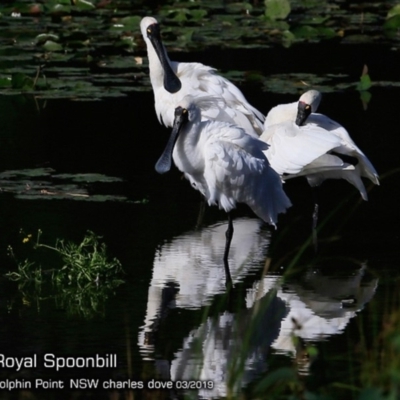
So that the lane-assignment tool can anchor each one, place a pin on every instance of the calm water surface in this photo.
(170, 318)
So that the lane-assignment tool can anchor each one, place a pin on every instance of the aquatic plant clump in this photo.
(83, 263)
(81, 285)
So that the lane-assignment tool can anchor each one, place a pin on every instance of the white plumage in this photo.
(224, 163)
(318, 149)
(172, 81)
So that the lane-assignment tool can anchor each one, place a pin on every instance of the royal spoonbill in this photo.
(305, 143)
(288, 130)
(225, 164)
(172, 81)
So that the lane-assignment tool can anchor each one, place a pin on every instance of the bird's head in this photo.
(308, 103)
(151, 33)
(150, 28)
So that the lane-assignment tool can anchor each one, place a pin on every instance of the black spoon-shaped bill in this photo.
(164, 162)
(303, 111)
(172, 83)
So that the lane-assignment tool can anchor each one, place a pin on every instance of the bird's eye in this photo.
(184, 111)
(307, 107)
(148, 30)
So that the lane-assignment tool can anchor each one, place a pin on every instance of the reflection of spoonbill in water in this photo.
(230, 349)
(225, 164)
(320, 306)
(188, 271)
(171, 81)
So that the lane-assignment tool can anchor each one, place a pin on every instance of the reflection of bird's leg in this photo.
(228, 239)
(200, 216)
(315, 218)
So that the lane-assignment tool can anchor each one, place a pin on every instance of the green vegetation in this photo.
(80, 279)
(94, 50)
(46, 184)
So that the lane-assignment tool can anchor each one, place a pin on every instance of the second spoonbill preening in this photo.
(319, 158)
(305, 143)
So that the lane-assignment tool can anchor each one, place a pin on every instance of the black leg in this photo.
(228, 240)
(200, 217)
(315, 218)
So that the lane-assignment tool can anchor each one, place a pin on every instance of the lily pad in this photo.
(84, 4)
(105, 40)
(52, 46)
(29, 173)
(88, 178)
(277, 9)
(46, 184)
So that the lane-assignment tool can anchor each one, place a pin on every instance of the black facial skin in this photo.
(172, 83)
(164, 162)
(303, 111)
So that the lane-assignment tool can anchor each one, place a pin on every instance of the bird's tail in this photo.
(270, 199)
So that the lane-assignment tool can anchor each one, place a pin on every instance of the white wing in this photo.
(237, 171)
(291, 147)
(199, 80)
(347, 145)
(352, 177)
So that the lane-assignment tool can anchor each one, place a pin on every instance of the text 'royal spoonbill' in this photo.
(172, 81)
(225, 164)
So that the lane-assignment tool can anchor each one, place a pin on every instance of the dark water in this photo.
(170, 313)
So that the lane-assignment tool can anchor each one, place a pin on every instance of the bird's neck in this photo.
(191, 134)
(281, 113)
(187, 153)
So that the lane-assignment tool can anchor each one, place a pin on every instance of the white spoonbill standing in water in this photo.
(172, 81)
(305, 143)
(225, 164)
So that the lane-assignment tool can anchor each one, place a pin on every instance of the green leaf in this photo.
(305, 32)
(393, 11)
(365, 81)
(21, 81)
(287, 38)
(312, 351)
(43, 37)
(197, 15)
(181, 15)
(237, 7)
(365, 98)
(52, 46)
(277, 9)
(130, 23)
(84, 5)
(326, 33)
(5, 82)
(392, 23)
